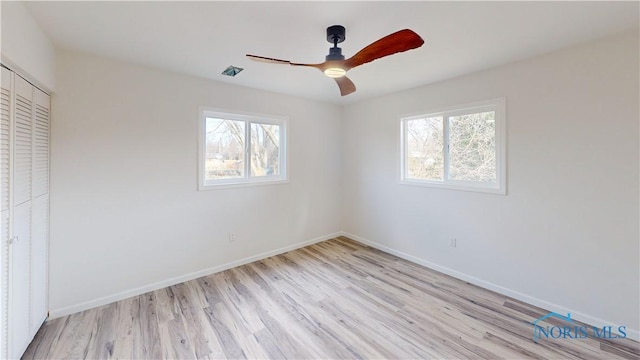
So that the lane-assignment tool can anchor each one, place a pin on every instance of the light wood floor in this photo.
(333, 300)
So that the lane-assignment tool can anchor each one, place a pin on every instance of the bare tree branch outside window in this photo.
(265, 149)
(425, 156)
(472, 147)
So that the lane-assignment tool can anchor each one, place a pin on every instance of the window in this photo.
(240, 149)
(459, 148)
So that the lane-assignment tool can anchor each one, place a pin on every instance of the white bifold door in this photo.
(24, 150)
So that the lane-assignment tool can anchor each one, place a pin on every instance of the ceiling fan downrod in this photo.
(335, 35)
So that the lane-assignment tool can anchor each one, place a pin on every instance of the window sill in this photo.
(240, 184)
(459, 187)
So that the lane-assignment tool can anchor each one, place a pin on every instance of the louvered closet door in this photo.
(40, 216)
(19, 250)
(5, 118)
(41, 144)
(22, 166)
(24, 210)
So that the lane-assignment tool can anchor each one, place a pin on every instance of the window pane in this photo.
(224, 152)
(265, 149)
(472, 147)
(425, 158)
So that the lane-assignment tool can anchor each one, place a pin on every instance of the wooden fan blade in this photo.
(279, 61)
(268, 60)
(400, 41)
(346, 86)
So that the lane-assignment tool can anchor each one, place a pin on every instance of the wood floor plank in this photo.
(336, 299)
(149, 344)
(78, 334)
(100, 345)
(175, 343)
(200, 334)
(227, 338)
(126, 329)
(167, 306)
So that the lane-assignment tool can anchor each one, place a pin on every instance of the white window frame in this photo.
(500, 186)
(248, 119)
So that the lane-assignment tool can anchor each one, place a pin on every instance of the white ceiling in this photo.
(203, 38)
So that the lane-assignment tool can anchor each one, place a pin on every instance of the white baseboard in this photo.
(56, 313)
(582, 317)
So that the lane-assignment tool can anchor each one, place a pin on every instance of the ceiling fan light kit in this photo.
(335, 65)
(335, 72)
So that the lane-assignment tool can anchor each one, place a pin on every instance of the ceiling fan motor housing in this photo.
(335, 53)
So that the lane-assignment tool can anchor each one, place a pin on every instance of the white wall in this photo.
(566, 234)
(125, 210)
(25, 47)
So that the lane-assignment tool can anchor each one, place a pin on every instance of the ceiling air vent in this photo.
(232, 71)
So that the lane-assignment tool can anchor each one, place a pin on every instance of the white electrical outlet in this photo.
(232, 237)
(453, 242)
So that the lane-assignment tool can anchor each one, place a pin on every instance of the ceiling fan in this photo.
(335, 66)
